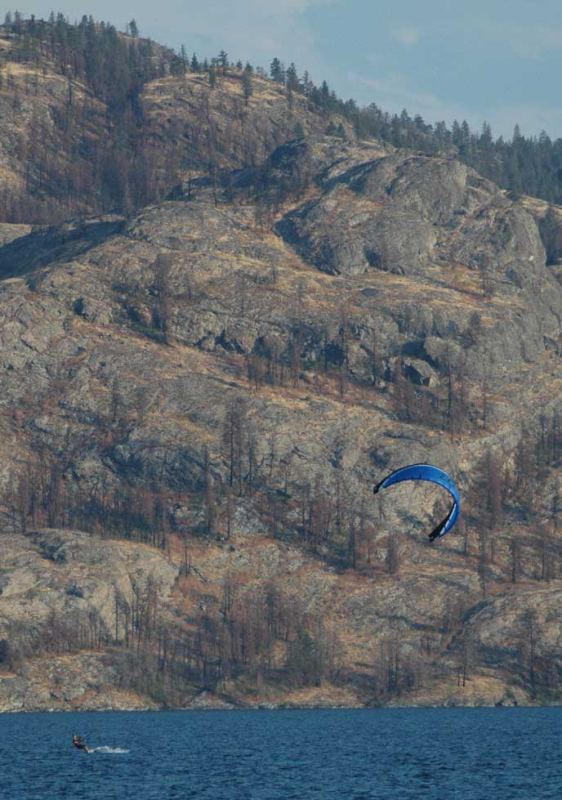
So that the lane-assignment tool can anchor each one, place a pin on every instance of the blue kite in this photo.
(427, 472)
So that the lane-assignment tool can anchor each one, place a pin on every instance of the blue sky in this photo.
(487, 60)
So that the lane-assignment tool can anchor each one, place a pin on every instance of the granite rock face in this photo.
(75, 570)
(401, 212)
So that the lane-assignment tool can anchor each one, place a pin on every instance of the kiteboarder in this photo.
(79, 742)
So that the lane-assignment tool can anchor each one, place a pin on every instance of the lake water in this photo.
(375, 754)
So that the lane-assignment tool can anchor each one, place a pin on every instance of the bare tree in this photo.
(515, 551)
(392, 561)
(162, 290)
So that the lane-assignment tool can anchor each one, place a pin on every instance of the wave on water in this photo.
(106, 749)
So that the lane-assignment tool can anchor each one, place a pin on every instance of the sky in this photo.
(498, 61)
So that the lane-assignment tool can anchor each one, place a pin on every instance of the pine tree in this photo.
(177, 66)
(292, 78)
(276, 71)
(184, 59)
(223, 61)
(247, 85)
(324, 95)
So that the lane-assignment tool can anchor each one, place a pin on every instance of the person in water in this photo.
(79, 742)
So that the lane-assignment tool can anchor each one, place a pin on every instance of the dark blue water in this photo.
(474, 754)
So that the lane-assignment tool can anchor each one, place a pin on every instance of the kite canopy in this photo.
(427, 472)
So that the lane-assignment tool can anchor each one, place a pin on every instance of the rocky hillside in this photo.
(240, 322)
(75, 141)
(197, 399)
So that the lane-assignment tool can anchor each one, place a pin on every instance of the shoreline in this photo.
(280, 707)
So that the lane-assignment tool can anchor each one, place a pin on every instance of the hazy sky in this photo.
(493, 60)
